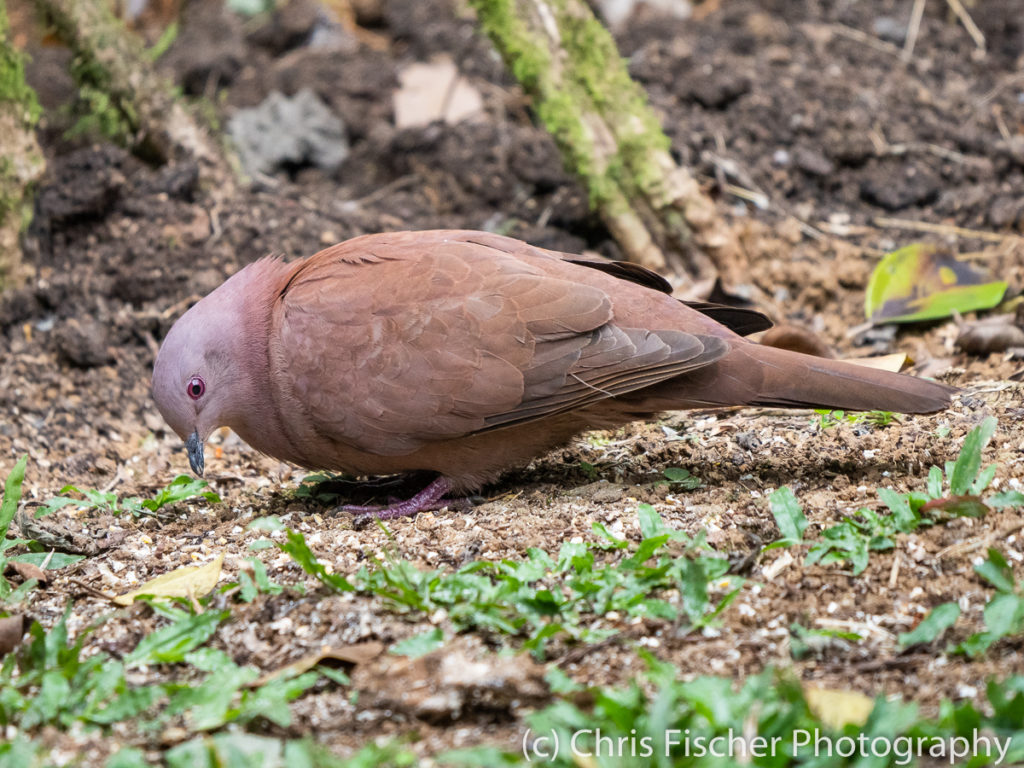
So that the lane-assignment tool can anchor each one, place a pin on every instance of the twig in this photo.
(862, 37)
(968, 22)
(577, 654)
(894, 574)
(970, 545)
(941, 229)
(392, 186)
(997, 117)
(850, 625)
(913, 27)
(1007, 82)
(90, 590)
(935, 149)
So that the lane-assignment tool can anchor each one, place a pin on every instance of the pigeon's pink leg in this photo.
(429, 498)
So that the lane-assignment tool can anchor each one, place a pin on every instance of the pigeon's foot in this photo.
(431, 497)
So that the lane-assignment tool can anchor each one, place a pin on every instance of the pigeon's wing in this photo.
(391, 342)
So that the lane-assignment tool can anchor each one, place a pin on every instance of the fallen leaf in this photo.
(360, 653)
(12, 628)
(434, 91)
(458, 680)
(893, 362)
(190, 581)
(919, 283)
(958, 506)
(29, 571)
(837, 709)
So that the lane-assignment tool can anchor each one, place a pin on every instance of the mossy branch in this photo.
(21, 160)
(607, 133)
(112, 63)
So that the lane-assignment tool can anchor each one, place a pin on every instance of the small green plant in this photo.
(938, 620)
(662, 721)
(1004, 613)
(239, 749)
(681, 478)
(50, 681)
(804, 641)
(258, 583)
(36, 554)
(951, 492)
(419, 645)
(181, 488)
(789, 516)
(827, 418)
(541, 597)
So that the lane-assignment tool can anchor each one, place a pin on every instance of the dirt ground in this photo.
(806, 103)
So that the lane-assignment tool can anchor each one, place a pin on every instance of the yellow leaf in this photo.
(190, 581)
(836, 709)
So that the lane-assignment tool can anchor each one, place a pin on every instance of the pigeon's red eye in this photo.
(196, 387)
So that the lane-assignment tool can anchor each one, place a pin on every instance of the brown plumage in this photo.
(465, 353)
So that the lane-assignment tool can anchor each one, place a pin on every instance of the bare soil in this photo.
(802, 102)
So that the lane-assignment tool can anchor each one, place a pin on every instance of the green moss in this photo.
(557, 106)
(12, 74)
(595, 80)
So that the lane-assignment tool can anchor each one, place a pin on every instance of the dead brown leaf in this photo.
(350, 655)
(445, 683)
(29, 571)
(12, 628)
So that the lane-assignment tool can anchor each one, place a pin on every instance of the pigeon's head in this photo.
(202, 371)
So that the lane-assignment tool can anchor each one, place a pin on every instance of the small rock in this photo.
(894, 187)
(1006, 211)
(83, 343)
(289, 133)
(600, 492)
(748, 441)
(814, 163)
(717, 89)
(890, 29)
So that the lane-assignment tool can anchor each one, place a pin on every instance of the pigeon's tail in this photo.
(752, 374)
(792, 379)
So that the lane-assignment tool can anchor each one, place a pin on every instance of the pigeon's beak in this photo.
(194, 446)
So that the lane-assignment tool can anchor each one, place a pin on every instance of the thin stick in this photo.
(913, 27)
(862, 37)
(997, 116)
(935, 149)
(894, 574)
(941, 229)
(968, 22)
(1006, 82)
